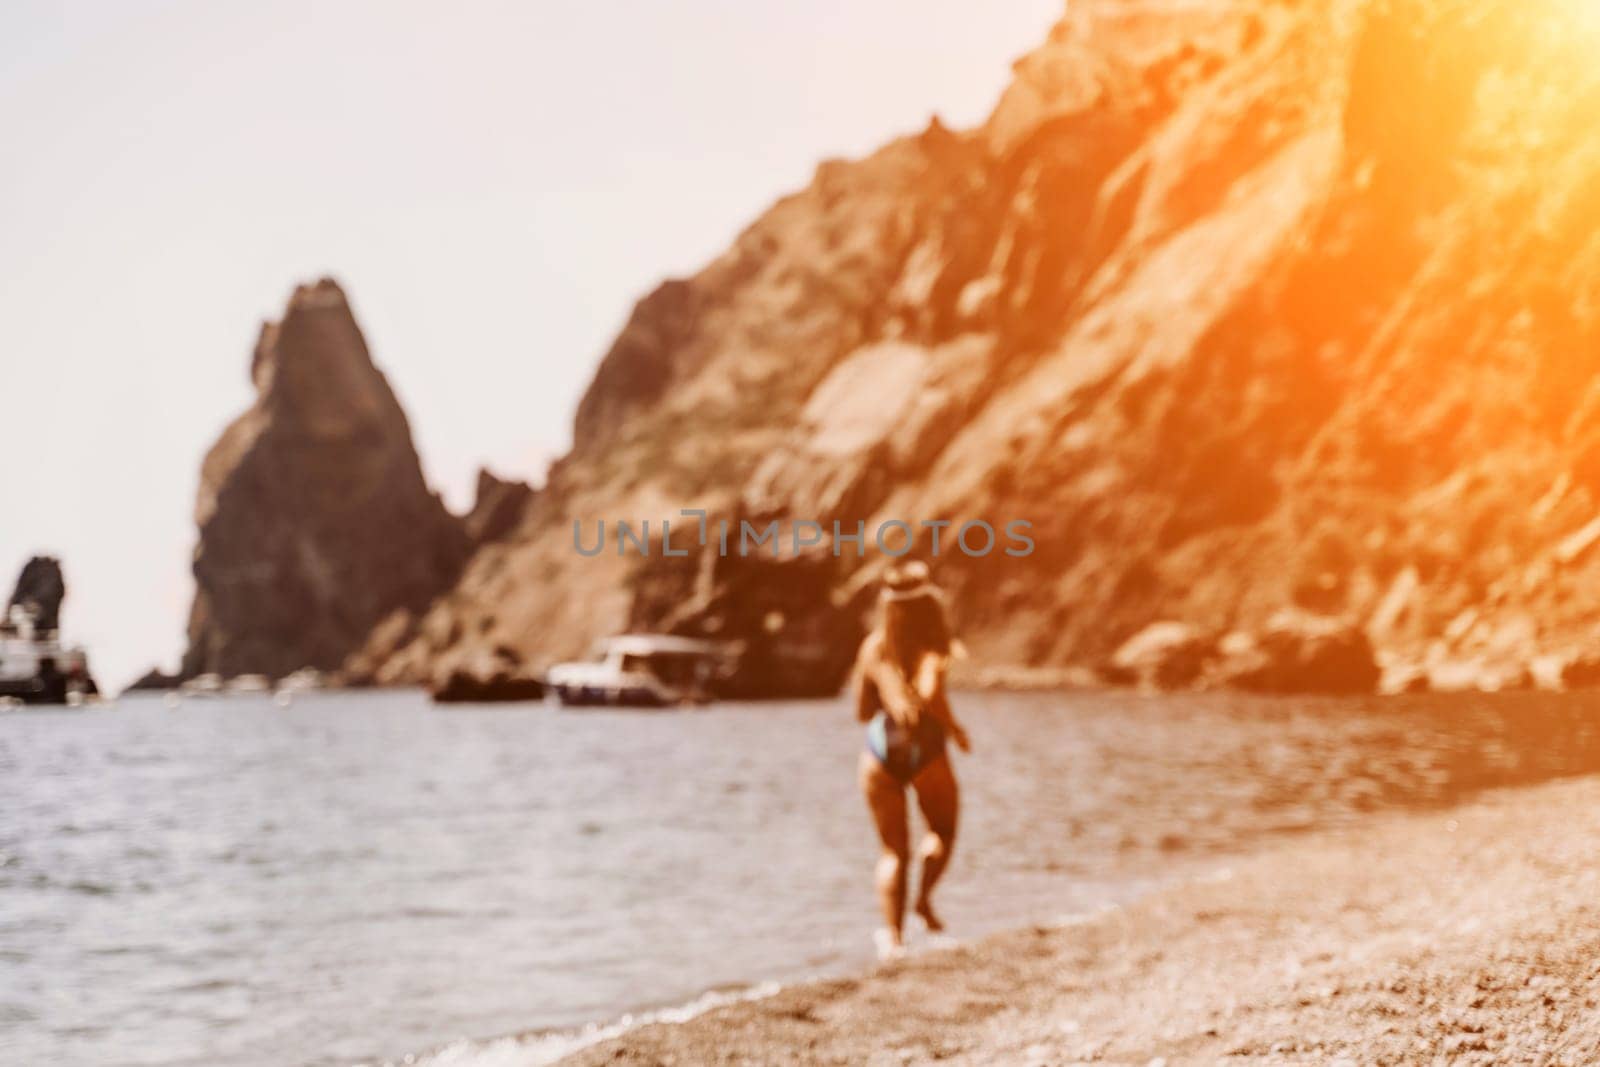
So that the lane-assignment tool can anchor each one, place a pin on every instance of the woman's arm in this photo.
(877, 686)
(884, 687)
(929, 685)
(864, 694)
(929, 678)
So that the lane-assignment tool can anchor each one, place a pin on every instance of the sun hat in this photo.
(908, 581)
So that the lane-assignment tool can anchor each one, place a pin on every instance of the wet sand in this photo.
(1469, 935)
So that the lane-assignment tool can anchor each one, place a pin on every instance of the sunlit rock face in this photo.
(1248, 307)
(314, 519)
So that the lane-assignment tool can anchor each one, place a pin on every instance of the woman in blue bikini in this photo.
(899, 686)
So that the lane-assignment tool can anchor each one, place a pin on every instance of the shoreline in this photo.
(540, 1048)
(1469, 932)
(557, 1045)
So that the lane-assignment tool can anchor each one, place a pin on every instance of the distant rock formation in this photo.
(39, 591)
(314, 518)
(62, 672)
(1247, 306)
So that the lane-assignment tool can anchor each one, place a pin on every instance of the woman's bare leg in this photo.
(886, 799)
(940, 800)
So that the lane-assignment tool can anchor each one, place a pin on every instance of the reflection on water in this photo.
(361, 875)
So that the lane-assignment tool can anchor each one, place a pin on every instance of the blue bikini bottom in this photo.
(904, 753)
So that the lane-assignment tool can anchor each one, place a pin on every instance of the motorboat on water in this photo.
(36, 667)
(643, 670)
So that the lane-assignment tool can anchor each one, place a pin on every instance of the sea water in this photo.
(362, 877)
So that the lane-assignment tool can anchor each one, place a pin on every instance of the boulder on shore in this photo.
(1582, 673)
(462, 686)
(1300, 653)
(1163, 655)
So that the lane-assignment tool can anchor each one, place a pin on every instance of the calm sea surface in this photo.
(362, 876)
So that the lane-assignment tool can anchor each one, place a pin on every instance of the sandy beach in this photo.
(1469, 935)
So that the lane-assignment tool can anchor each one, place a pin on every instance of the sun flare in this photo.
(1579, 17)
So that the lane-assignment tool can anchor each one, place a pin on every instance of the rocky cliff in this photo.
(314, 519)
(1257, 311)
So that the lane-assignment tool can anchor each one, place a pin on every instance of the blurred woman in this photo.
(899, 686)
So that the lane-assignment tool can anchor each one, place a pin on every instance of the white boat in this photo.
(642, 670)
(36, 668)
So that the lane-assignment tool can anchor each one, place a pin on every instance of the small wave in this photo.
(433, 912)
(546, 1047)
(138, 759)
(126, 950)
(205, 985)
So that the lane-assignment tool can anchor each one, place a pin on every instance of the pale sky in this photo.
(493, 183)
